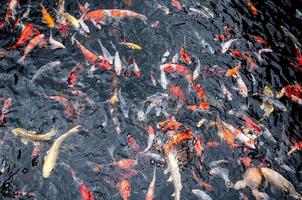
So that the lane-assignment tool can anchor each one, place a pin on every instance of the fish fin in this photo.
(24, 141)
(170, 179)
(173, 195)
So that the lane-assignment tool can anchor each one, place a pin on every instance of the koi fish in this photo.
(7, 103)
(198, 147)
(201, 182)
(123, 105)
(292, 92)
(178, 93)
(235, 53)
(175, 176)
(242, 89)
(169, 125)
(51, 157)
(132, 45)
(72, 78)
(151, 188)
(38, 40)
(222, 173)
(106, 53)
(136, 69)
(44, 68)
(185, 56)
(46, 18)
(86, 194)
(32, 135)
(178, 139)
(250, 60)
(260, 52)
(225, 91)
(224, 133)
(125, 189)
(261, 40)
(11, 10)
(151, 136)
(28, 31)
(252, 8)
(196, 71)
(233, 71)
(297, 147)
(54, 44)
(176, 4)
(163, 79)
(92, 58)
(117, 64)
(175, 68)
(71, 20)
(202, 195)
(200, 91)
(226, 45)
(69, 109)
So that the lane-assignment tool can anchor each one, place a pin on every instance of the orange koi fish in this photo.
(176, 4)
(252, 8)
(69, 109)
(235, 53)
(125, 189)
(86, 194)
(201, 93)
(177, 139)
(7, 103)
(39, 40)
(133, 144)
(175, 68)
(169, 125)
(178, 93)
(46, 18)
(185, 56)
(28, 32)
(224, 133)
(234, 70)
(198, 146)
(261, 40)
(92, 58)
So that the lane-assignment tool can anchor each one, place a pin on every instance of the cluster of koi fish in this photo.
(169, 137)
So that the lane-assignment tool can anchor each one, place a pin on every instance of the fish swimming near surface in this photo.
(32, 135)
(52, 155)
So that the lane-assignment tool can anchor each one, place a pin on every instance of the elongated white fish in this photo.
(106, 53)
(175, 176)
(163, 79)
(226, 45)
(204, 11)
(196, 71)
(151, 137)
(44, 68)
(54, 44)
(117, 64)
(202, 195)
(242, 89)
(165, 56)
(123, 104)
(51, 157)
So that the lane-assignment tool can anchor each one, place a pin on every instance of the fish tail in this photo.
(51, 133)
(72, 131)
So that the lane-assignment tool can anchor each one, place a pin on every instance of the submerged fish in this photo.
(51, 157)
(32, 135)
(202, 195)
(44, 68)
(226, 45)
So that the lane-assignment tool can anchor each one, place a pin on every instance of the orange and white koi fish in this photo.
(252, 8)
(7, 103)
(121, 164)
(92, 58)
(178, 139)
(136, 69)
(233, 71)
(46, 18)
(151, 136)
(69, 108)
(28, 31)
(39, 40)
(150, 193)
(125, 189)
(176, 68)
(169, 125)
(176, 4)
(178, 93)
(197, 70)
(224, 133)
(225, 91)
(117, 64)
(11, 10)
(185, 56)
(200, 91)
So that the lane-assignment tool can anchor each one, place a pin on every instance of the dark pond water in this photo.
(105, 124)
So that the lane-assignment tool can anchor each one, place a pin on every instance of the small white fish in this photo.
(225, 91)
(224, 174)
(175, 176)
(207, 46)
(151, 136)
(51, 157)
(242, 89)
(106, 53)
(202, 195)
(123, 105)
(225, 46)
(44, 68)
(117, 64)
(54, 44)
(163, 79)
(150, 193)
(84, 26)
(196, 72)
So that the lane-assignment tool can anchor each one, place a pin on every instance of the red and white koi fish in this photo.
(242, 89)
(28, 32)
(150, 193)
(92, 58)
(151, 136)
(176, 4)
(225, 91)
(175, 68)
(39, 40)
(136, 69)
(69, 108)
(7, 103)
(133, 146)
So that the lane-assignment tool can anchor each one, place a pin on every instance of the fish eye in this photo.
(127, 188)
(229, 184)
